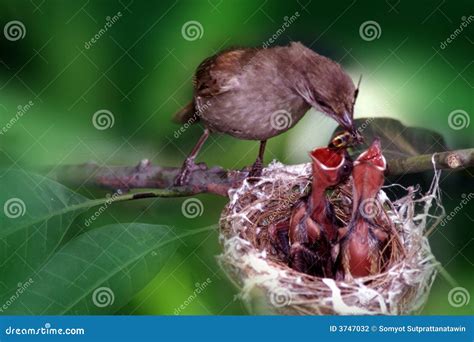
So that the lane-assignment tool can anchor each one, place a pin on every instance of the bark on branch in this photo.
(459, 159)
(214, 180)
(217, 180)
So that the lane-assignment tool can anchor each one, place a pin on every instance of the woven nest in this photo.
(268, 285)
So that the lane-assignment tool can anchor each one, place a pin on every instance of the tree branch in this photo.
(214, 180)
(455, 160)
(217, 180)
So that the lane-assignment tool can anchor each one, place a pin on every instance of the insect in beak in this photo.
(345, 139)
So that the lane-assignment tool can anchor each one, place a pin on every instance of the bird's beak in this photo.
(346, 121)
(326, 158)
(374, 156)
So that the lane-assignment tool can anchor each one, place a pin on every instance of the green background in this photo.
(141, 69)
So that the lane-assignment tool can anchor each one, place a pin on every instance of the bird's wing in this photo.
(216, 75)
(186, 114)
(219, 74)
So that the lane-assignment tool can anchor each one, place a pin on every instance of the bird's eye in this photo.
(324, 105)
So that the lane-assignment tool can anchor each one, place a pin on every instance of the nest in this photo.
(268, 285)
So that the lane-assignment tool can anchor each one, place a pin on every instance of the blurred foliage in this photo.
(140, 70)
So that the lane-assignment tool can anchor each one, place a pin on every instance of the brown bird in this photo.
(256, 94)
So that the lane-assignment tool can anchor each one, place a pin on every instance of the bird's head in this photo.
(325, 85)
(373, 156)
(336, 98)
(329, 166)
(368, 172)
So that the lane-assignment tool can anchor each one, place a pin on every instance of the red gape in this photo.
(360, 247)
(327, 165)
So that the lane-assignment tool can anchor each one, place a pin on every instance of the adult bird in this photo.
(256, 94)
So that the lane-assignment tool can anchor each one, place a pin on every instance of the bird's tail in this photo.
(186, 114)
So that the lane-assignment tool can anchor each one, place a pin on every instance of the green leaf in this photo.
(97, 272)
(35, 215)
(398, 140)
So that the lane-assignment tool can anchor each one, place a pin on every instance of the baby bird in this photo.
(313, 228)
(363, 241)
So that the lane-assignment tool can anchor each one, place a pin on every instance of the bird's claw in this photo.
(188, 167)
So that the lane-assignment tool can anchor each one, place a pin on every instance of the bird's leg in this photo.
(189, 163)
(257, 166)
